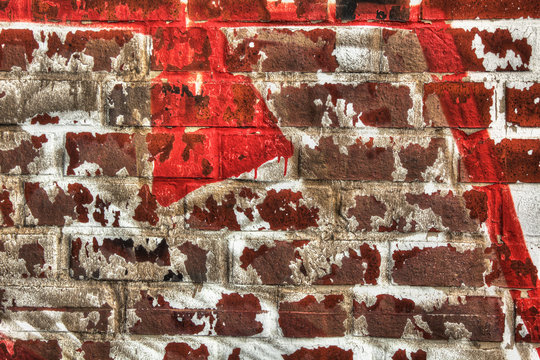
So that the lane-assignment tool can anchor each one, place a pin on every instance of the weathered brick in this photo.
(128, 104)
(347, 156)
(341, 104)
(392, 10)
(125, 256)
(252, 207)
(11, 202)
(410, 209)
(211, 311)
(451, 50)
(306, 262)
(523, 104)
(313, 315)
(479, 9)
(460, 105)
(80, 310)
(510, 160)
(457, 264)
(27, 256)
(326, 50)
(15, 10)
(22, 153)
(116, 10)
(428, 316)
(92, 203)
(527, 320)
(30, 349)
(48, 101)
(257, 11)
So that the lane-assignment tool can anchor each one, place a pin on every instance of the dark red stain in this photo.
(99, 214)
(416, 159)
(234, 316)
(388, 317)
(215, 217)
(94, 350)
(16, 48)
(22, 155)
(235, 355)
(44, 119)
(6, 207)
(29, 349)
(282, 210)
(111, 152)
(285, 50)
(76, 270)
(439, 266)
(464, 105)
(125, 248)
(481, 9)
(416, 355)
(362, 267)
(311, 318)
(523, 106)
(378, 105)
(81, 196)
(363, 161)
(146, 210)
(160, 146)
(100, 45)
(33, 254)
(366, 207)
(196, 261)
(182, 351)
(320, 353)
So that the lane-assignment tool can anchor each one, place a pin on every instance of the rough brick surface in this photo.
(269, 179)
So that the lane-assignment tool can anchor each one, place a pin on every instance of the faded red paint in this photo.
(362, 10)
(146, 210)
(29, 349)
(235, 355)
(16, 48)
(523, 106)
(22, 155)
(215, 217)
(33, 254)
(182, 351)
(236, 315)
(366, 207)
(401, 354)
(282, 210)
(363, 268)
(312, 318)
(94, 350)
(481, 9)
(196, 261)
(320, 353)
(44, 119)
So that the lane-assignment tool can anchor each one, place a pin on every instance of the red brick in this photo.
(257, 11)
(300, 262)
(342, 105)
(11, 202)
(523, 105)
(474, 318)
(402, 51)
(374, 159)
(88, 310)
(527, 320)
(128, 104)
(116, 10)
(30, 349)
(212, 310)
(510, 160)
(16, 48)
(25, 154)
(411, 210)
(28, 256)
(257, 208)
(437, 265)
(151, 258)
(460, 105)
(313, 316)
(479, 9)
(330, 352)
(16, 10)
(362, 10)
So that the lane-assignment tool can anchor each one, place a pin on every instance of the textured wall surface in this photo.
(269, 179)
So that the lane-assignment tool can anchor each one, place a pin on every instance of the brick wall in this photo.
(269, 179)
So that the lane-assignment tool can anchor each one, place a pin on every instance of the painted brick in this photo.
(451, 265)
(47, 50)
(326, 50)
(309, 316)
(31, 349)
(527, 320)
(122, 256)
(523, 104)
(11, 202)
(391, 10)
(88, 310)
(423, 316)
(128, 104)
(306, 262)
(27, 256)
(252, 207)
(510, 160)
(402, 52)
(249, 11)
(22, 153)
(91, 203)
(385, 105)
(410, 209)
(48, 101)
(460, 105)
(211, 311)
(482, 9)
(351, 157)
